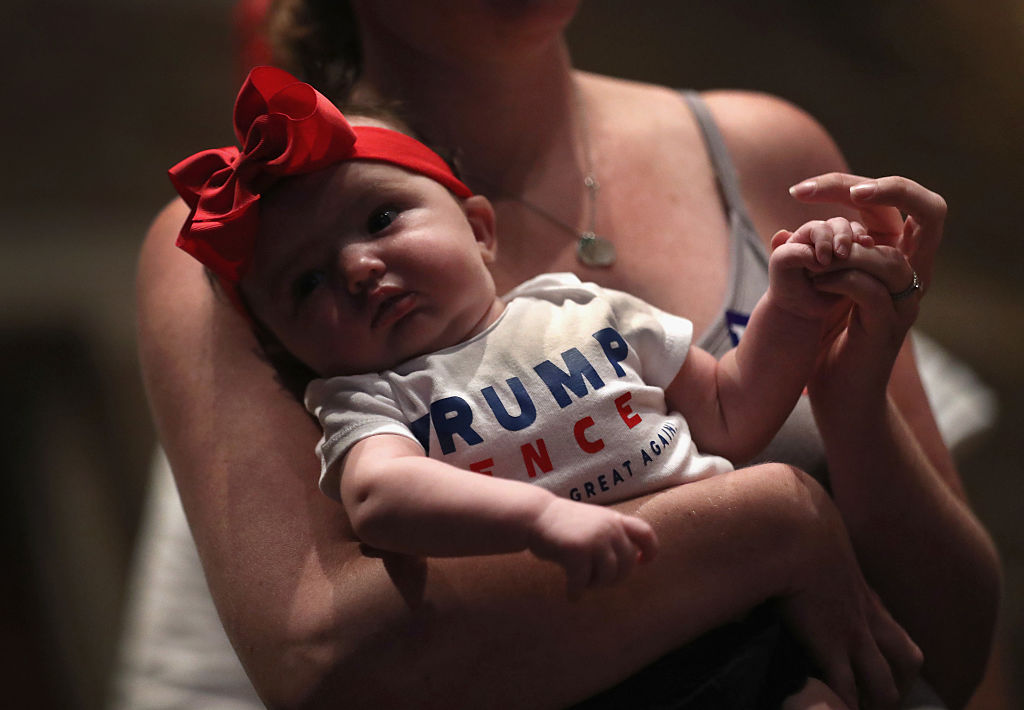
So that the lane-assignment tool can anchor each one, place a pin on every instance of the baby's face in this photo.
(364, 265)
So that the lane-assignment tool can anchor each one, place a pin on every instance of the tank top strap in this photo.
(721, 163)
(748, 269)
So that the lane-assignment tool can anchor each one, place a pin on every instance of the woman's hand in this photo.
(863, 347)
(891, 475)
(882, 203)
(862, 653)
(885, 300)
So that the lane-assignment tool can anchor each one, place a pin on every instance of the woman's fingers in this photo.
(876, 683)
(926, 217)
(840, 679)
(903, 656)
(883, 221)
(886, 264)
(911, 198)
(881, 202)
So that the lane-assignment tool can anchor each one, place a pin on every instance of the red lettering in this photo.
(538, 456)
(591, 447)
(626, 412)
(483, 467)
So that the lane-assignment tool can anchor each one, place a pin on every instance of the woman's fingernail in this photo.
(863, 190)
(803, 189)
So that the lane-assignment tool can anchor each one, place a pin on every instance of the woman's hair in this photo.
(317, 41)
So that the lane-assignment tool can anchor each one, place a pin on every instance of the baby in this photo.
(361, 252)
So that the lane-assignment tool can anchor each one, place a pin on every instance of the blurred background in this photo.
(101, 96)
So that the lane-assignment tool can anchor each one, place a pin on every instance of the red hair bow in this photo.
(285, 127)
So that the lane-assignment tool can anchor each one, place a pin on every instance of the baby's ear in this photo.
(480, 215)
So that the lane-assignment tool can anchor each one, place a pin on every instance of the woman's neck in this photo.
(504, 118)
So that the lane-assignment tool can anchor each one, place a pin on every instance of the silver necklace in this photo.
(591, 248)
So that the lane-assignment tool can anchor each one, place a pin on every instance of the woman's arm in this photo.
(316, 621)
(918, 541)
(402, 501)
(893, 477)
(943, 545)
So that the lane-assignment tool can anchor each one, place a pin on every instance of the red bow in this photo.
(285, 127)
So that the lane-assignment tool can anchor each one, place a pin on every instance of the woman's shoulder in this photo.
(168, 220)
(773, 145)
(164, 273)
(760, 130)
(764, 129)
(159, 239)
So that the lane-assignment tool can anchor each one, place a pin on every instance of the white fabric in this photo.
(964, 406)
(175, 653)
(564, 390)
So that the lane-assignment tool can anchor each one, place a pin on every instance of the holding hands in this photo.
(882, 203)
(826, 259)
(883, 289)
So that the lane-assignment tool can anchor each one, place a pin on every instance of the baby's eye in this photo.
(380, 219)
(306, 283)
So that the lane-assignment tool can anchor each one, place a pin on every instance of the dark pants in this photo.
(748, 665)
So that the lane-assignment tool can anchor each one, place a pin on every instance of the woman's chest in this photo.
(672, 245)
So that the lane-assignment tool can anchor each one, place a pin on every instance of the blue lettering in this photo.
(602, 481)
(527, 411)
(589, 488)
(557, 380)
(452, 415)
(647, 458)
(616, 478)
(421, 430)
(614, 346)
(575, 494)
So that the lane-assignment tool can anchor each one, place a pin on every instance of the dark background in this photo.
(101, 96)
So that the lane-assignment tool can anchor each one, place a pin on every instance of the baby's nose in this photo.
(361, 266)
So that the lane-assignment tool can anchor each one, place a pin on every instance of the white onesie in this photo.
(565, 390)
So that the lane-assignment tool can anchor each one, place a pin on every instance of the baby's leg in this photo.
(815, 695)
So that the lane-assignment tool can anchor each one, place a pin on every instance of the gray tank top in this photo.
(798, 442)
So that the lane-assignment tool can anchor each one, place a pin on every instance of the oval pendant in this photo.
(593, 250)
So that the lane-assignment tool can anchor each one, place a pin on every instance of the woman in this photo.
(315, 619)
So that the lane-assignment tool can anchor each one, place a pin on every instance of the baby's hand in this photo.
(798, 257)
(596, 545)
(828, 239)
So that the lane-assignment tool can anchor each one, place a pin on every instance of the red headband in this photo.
(285, 128)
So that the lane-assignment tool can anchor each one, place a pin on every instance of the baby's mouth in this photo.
(392, 307)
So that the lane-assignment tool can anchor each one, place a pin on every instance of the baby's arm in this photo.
(400, 500)
(735, 405)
